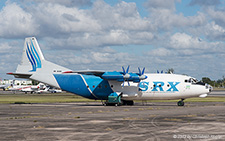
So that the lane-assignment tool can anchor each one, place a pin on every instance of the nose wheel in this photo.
(180, 103)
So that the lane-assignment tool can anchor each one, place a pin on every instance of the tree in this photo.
(207, 80)
(171, 70)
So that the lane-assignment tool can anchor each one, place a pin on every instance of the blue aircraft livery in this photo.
(88, 86)
(158, 86)
(33, 56)
(143, 86)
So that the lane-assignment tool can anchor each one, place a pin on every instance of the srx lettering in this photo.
(158, 86)
(173, 86)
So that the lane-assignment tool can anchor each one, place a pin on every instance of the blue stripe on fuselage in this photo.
(74, 83)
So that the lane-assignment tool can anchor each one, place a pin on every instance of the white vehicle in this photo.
(55, 90)
(113, 87)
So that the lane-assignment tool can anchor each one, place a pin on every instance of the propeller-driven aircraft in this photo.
(113, 87)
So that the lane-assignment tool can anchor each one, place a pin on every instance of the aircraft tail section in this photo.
(32, 57)
(34, 66)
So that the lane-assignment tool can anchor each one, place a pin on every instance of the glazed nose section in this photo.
(208, 87)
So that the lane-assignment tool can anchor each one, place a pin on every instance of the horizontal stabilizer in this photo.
(20, 75)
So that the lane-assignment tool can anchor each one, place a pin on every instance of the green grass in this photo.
(41, 98)
(68, 97)
(218, 89)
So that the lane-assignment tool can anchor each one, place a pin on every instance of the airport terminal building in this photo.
(17, 82)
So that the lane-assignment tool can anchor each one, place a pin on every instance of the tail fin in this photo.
(34, 66)
(32, 57)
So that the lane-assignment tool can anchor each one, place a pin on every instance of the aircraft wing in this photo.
(115, 75)
(88, 72)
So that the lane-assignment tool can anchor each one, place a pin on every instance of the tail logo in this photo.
(33, 56)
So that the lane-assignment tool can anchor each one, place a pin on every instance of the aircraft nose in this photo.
(209, 87)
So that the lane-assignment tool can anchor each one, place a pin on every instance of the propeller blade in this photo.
(123, 70)
(128, 69)
(139, 71)
(143, 71)
(128, 83)
(123, 84)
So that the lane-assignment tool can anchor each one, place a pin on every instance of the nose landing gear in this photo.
(180, 103)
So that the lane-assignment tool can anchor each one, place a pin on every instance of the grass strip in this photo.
(67, 97)
(41, 98)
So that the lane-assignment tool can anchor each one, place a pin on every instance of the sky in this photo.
(186, 35)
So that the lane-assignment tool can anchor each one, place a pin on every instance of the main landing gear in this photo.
(118, 103)
(127, 102)
(180, 103)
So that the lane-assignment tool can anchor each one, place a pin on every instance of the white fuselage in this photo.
(161, 86)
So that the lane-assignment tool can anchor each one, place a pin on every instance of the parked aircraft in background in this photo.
(4, 86)
(28, 88)
(117, 87)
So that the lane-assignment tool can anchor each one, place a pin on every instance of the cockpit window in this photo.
(200, 83)
(194, 80)
(191, 80)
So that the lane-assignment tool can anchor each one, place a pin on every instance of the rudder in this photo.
(32, 57)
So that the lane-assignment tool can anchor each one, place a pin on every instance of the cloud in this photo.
(161, 4)
(15, 22)
(205, 2)
(5, 48)
(161, 52)
(215, 32)
(185, 44)
(101, 25)
(91, 59)
(95, 34)
(183, 41)
(217, 16)
(68, 3)
(57, 19)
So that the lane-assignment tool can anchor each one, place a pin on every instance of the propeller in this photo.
(158, 71)
(126, 75)
(141, 73)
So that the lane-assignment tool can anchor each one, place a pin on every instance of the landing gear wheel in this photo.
(180, 103)
(130, 102)
(127, 102)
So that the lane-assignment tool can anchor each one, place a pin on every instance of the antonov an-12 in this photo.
(112, 87)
